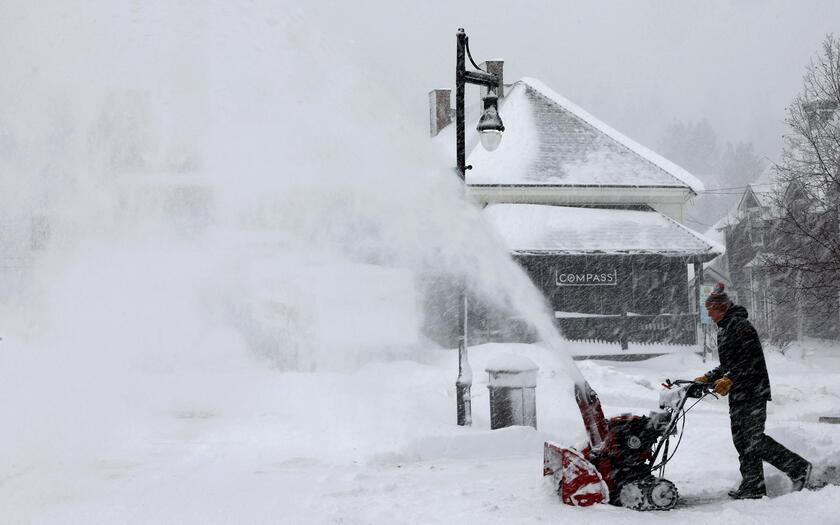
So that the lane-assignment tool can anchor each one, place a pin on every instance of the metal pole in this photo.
(464, 381)
(460, 72)
(700, 333)
(463, 384)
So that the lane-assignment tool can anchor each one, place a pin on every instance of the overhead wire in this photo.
(698, 222)
(728, 188)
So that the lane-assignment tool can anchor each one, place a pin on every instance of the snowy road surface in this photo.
(378, 445)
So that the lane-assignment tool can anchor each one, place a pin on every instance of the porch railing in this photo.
(629, 328)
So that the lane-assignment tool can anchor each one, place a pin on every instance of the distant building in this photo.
(746, 235)
(594, 218)
(751, 237)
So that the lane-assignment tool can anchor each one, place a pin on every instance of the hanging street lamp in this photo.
(490, 128)
(490, 125)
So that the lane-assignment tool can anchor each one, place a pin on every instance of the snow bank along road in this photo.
(379, 445)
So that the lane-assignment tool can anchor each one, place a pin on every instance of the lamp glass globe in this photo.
(490, 139)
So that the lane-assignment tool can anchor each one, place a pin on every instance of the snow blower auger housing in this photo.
(619, 464)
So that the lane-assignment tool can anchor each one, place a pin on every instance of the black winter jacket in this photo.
(741, 358)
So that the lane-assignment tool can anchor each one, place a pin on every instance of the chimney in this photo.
(440, 115)
(496, 67)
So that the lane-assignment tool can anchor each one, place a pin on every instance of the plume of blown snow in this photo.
(196, 196)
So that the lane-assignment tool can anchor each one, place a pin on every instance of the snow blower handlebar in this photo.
(674, 402)
(694, 389)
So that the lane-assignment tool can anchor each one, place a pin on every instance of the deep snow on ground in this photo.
(218, 236)
(379, 445)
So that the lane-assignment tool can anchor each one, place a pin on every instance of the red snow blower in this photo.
(624, 461)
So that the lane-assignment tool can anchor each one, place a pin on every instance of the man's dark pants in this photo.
(747, 419)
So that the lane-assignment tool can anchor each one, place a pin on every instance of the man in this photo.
(743, 375)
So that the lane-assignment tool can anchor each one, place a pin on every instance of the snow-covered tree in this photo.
(739, 165)
(693, 145)
(806, 247)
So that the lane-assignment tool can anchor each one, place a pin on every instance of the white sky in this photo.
(634, 64)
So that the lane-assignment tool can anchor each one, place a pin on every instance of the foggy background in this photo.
(650, 69)
(197, 197)
(725, 71)
(215, 119)
(635, 65)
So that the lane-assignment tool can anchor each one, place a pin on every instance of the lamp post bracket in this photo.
(481, 78)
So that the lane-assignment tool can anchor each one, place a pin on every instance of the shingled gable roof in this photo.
(550, 141)
(760, 190)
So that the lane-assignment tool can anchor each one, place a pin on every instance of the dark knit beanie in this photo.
(718, 297)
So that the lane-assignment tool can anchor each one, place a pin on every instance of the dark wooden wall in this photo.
(654, 286)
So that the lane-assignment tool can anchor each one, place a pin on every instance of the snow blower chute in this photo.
(619, 464)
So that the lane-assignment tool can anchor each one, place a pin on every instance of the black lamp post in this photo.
(490, 129)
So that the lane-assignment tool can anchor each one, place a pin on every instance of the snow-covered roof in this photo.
(717, 269)
(761, 189)
(715, 232)
(531, 228)
(763, 198)
(764, 195)
(548, 140)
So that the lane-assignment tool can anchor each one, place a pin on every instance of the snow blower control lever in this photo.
(624, 461)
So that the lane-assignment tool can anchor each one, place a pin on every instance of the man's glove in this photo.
(702, 379)
(723, 386)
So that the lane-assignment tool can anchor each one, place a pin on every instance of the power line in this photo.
(698, 222)
(730, 188)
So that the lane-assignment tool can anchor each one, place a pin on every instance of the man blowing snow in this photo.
(742, 375)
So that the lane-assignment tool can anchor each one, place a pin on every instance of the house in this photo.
(745, 230)
(594, 218)
(754, 238)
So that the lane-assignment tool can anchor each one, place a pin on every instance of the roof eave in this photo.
(579, 194)
(699, 257)
(615, 186)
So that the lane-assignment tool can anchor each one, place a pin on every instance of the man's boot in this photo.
(743, 492)
(800, 479)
